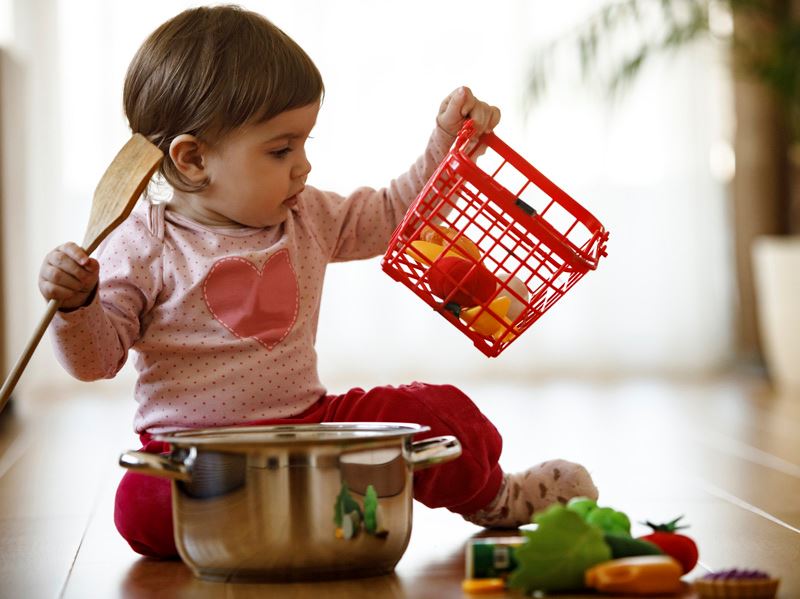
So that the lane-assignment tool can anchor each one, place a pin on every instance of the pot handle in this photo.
(433, 451)
(177, 465)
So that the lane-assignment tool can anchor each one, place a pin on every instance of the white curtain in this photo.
(661, 303)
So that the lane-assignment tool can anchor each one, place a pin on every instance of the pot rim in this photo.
(292, 434)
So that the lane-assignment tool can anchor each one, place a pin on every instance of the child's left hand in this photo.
(461, 105)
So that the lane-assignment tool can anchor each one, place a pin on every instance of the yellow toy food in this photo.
(446, 234)
(478, 586)
(484, 321)
(427, 252)
(506, 332)
(642, 575)
(424, 251)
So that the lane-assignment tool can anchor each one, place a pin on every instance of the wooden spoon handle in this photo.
(19, 367)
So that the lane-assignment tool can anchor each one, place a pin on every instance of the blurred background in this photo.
(686, 163)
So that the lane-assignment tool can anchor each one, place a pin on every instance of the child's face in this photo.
(256, 172)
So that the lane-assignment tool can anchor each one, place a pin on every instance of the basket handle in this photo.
(467, 129)
(466, 133)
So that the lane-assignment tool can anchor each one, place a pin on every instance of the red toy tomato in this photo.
(673, 544)
(469, 282)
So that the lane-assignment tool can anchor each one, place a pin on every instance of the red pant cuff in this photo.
(484, 497)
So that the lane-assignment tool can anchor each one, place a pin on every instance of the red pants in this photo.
(143, 506)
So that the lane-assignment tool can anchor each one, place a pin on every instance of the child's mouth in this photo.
(291, 201)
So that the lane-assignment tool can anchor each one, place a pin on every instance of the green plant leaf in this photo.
(765, 40)
(556, 554)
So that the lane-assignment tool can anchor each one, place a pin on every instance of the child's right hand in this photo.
(68, 274)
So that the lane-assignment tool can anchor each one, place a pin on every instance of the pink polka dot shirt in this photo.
(222, 322)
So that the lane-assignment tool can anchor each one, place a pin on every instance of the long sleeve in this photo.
(93, 342)
(200, 363)
(360, 225)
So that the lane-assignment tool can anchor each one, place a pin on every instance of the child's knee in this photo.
(447, 403)
(143, 515)
(450, 411)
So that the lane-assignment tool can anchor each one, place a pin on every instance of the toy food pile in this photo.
(456, 274)
(585, 546)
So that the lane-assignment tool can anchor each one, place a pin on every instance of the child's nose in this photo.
(301, 169)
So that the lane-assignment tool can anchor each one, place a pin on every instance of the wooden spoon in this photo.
(114, 198)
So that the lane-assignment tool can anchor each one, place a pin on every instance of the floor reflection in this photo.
(149, 578)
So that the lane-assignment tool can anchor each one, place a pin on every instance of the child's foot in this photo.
(532, 490)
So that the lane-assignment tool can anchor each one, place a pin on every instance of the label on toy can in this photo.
(492, 557)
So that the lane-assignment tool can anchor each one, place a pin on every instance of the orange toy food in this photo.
(461, 281)
(444, 235)
(642, 575)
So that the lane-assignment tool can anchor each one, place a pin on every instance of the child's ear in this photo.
(186, 152)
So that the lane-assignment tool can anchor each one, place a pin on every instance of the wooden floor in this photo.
(725, 453)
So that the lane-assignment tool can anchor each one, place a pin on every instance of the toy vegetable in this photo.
(461, 281)
(679, 546)
(607, 519)
(625, 546)
(558, 553)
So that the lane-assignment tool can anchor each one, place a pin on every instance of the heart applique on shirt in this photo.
(252, 303)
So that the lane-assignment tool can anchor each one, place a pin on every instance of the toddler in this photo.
(217, 292)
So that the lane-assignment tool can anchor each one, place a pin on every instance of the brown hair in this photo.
(210, 70)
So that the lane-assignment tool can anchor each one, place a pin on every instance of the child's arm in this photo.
(453, 113)
(361, 224)
(101, 317)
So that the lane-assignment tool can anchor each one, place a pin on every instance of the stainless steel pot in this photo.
(293, 502)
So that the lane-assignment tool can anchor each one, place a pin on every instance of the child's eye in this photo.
(281, 153)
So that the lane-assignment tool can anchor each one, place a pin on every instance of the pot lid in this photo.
(326, 432)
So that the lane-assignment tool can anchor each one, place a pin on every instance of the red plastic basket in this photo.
(491, 243)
